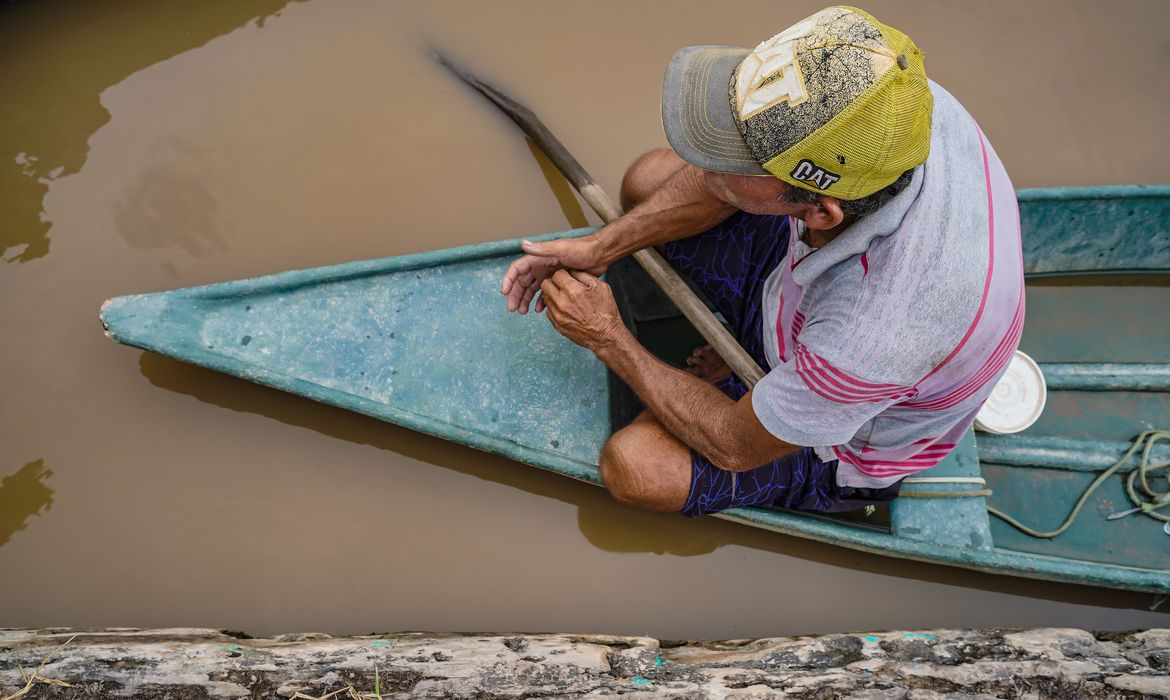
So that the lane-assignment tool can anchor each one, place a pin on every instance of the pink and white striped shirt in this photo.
(886, 342)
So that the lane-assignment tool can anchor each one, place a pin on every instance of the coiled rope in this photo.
(1150, 500)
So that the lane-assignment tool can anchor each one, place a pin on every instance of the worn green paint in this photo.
(396, 339)
(1136, 540)
(1106, 376)
(1026, 450)
(1095, 229)
(424, 341)
(954, 522)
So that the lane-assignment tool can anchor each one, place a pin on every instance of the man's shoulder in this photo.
(945, 104)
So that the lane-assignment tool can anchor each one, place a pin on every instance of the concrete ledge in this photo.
(203, 663)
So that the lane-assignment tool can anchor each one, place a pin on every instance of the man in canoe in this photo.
(856, 231)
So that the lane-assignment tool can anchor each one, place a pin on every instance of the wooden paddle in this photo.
(662, 273)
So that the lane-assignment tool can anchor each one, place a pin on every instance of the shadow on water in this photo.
(23, 495)
(52, 107)
(606, 524)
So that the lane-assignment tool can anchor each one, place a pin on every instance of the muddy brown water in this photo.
(153, 145)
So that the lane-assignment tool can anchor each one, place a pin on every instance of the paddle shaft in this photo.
(662, 273)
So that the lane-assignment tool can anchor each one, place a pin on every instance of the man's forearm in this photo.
(681, 207)
(582, 308)
(692, 410)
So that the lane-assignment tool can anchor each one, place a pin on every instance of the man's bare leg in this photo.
(706, 364)
(644, 465)
(647, 174)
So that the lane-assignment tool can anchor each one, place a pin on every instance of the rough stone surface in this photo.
(919, 665)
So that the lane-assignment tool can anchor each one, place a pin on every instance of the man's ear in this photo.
(825, 214)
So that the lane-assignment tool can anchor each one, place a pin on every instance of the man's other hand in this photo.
(524, 276)
(581, 308)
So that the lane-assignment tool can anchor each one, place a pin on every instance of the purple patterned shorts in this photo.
(730, 263)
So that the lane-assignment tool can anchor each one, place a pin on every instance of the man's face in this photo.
(754, 194)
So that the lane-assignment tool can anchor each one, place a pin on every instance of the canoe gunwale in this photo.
(1099, 192)
(1073, 274)
(344, 272)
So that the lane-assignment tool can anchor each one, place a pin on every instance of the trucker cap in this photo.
(838, 104)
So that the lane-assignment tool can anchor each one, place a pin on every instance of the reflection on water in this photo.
(645, 532)
(59, 107)
(604, 523)
(237, 395)
(171, 203)
(637, 531)
(560, 187)
(23, 495)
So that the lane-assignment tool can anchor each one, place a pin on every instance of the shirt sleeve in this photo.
(809, 402)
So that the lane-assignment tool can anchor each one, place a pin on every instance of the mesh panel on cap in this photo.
(881, 134)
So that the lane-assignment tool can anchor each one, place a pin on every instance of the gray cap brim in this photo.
(696, 110)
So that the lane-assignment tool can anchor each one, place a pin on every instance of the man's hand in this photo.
(581, 308)
(525, 275)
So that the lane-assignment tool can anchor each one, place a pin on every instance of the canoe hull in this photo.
(412, 340)
(423, 341)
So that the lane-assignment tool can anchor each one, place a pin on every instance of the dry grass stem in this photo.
(36, 677)
(351, 693)
(31, 680)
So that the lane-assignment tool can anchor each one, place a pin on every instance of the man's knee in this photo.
(647, 174)
(619, 468)
(641, 477)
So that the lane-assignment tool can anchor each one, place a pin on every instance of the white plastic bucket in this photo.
(1017, 399)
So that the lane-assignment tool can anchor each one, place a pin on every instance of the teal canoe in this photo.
(424, 341)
